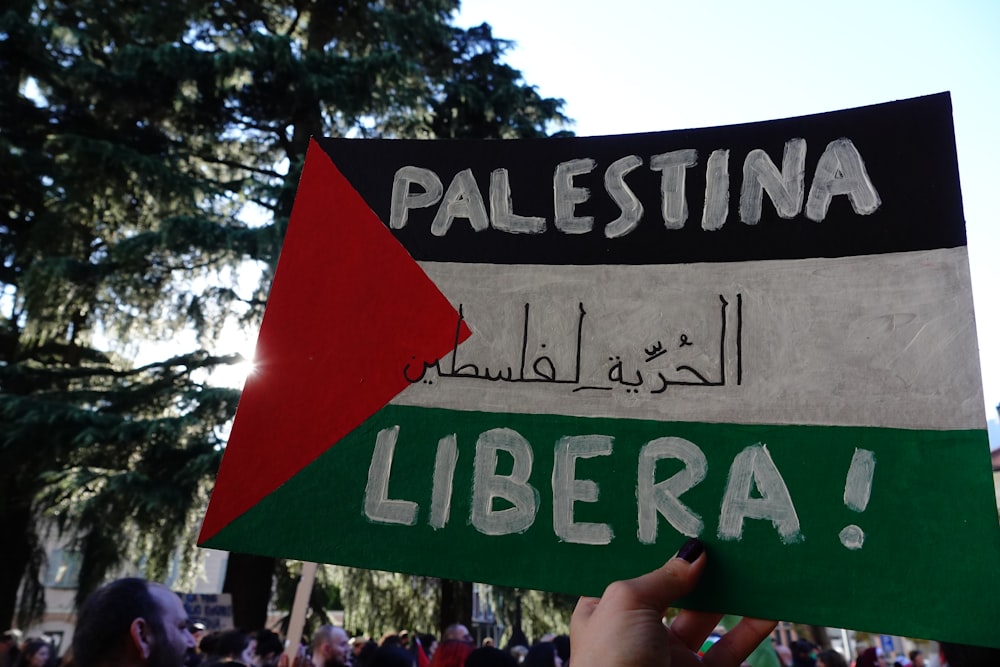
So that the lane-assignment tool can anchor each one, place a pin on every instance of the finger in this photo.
(738, 643)
(658, 589)
(691, 628)
(585, 607)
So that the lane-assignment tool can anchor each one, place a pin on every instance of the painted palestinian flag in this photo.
(548, 363)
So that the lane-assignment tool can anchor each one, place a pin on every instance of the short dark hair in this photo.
(268, 642)
(232, 643)
(103, 625)
(831, 658)
(963, 655)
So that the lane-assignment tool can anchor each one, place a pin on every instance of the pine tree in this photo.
(150, 153)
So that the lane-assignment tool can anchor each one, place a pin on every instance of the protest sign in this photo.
(547, 363)
(214, 611)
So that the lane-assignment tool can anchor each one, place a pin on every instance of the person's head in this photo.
(331, 646)
(868, 658)
(10, 640)
(268, 648)
(830, 658)
(917, 658)
(132, 622)
(456, 632)
(429, 643)
(542, 654)
(451, 653)
(802, 652)
(964, 655)
(561, 643)
(235, 645)
(490, 656)
(35, 653)
(363, 657)
(391, 655)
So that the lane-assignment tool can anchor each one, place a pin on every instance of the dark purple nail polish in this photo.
(691, 550)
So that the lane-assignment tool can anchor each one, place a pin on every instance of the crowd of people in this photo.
(135, 623)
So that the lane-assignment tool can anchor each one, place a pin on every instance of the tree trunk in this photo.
(456, 603)
(15, 556)
(249, 579)
(820, 637)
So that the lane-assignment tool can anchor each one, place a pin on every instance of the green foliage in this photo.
(325, 596)
(151, 152)
(378, 602)
(541, 611)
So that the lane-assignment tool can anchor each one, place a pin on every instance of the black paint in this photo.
(908, 148)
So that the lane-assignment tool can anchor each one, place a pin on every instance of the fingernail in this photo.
(691, 550)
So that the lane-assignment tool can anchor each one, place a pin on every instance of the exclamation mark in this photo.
(857, 491)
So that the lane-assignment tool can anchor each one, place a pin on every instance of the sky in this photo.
(643, 66)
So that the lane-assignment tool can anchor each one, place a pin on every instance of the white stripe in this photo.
(879, 340)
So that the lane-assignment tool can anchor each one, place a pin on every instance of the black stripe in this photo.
(908, 148)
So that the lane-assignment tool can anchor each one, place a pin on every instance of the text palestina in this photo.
(840, 171)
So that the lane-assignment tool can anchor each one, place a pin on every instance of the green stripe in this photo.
(927, 567)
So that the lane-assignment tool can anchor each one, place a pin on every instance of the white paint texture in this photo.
(445, 461)
(881, 340)
(785, 188)
(716, 209)
(753, 469)
(858, 488)
(567, 489)
(566, 196)
(403, 199)
(674, 166)
(623, 196)
(487, 485)
(841, 171)
(462, 200)
(378, 507)
(501, 208)
(663, 498)
(852, 537)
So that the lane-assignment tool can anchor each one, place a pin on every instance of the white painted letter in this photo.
(786, 189)
(674, 166)
(462, 200)
(752, 468)
(567, 196)
(716, 210)
(514, 488)
(501, 207)
(402, 201)
(841, 171)
(566, 489)
(631, 207)
(662, 497)
(378, 507)
(444, 474)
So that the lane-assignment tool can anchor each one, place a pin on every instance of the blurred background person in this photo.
(35, 653)
(830, 659)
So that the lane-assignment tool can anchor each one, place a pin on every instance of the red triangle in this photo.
(348, 309)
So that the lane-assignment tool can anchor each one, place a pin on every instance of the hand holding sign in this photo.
(625, 626)
(595, 378)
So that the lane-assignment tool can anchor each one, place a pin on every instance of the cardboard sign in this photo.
(547, 363)
(215, 611)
